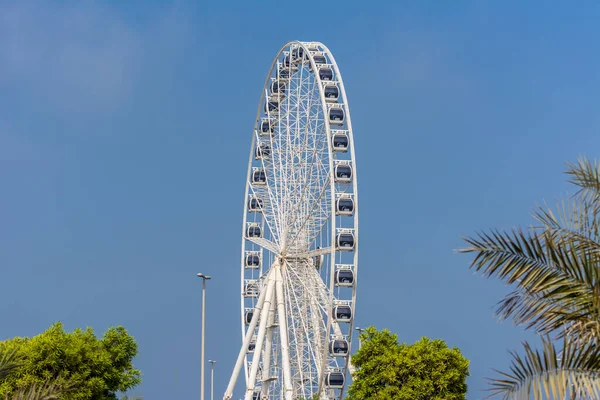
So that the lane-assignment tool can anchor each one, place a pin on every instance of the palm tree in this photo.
(50, 390)
(554, 270)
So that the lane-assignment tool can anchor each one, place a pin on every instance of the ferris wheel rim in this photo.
(331, 185)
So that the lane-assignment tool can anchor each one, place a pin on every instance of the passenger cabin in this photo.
(335, 380)
(255, 204)
(272, 107)
(278, 88)
(251, 347)
(252, 260)
(267, 127)
(343, 173)
(344, 277)
(251, 289)
(253, 230)
(340, 141)
(345, 241)
(288, 64)
(256, 396)
(248, 314)
(259, 177)
(325, 73)
(262, 151)
(332, 93)
(342, 313)
(344, 206)
(318, 59)
(283, 73)
(336, 116)
(339, 348)
(297, 54)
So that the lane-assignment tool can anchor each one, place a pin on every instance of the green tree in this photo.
(554, 270)
(425, 370)
(77, 365)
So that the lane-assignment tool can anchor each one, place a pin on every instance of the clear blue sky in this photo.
(124, 138)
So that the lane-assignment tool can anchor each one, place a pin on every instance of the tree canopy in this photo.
(425, 370)
(87, 367)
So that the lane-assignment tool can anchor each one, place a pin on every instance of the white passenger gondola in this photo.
(248, 314)
(319, 59)
(342, 313)
(252, 260)
(278, 88)
(251, 346)
(272, 106)
(343, 172)
(326, 74)
(344, 240)
(335, 380)
(251, 289)
(336, 116)
(255, 204)
(267, 127)
(262, 151)
(259, 177)
(339, 348)
(340, 141)
(253, 230)
(297, 54)
(287, 64)
(344, 277)
(344, 205)
(332, 93)
(283, 73)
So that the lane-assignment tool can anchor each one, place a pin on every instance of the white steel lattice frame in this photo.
(292, 322)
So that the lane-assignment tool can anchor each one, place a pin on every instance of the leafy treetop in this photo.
(425, 370)
(91, 368)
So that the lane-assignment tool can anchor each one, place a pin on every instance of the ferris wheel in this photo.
(299, 255)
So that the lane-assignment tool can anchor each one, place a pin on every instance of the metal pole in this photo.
(360, 330)
(212, 379)
(204, 279)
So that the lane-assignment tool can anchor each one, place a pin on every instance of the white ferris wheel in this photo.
(299, 255)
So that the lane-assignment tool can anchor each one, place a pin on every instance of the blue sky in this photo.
(124, 137)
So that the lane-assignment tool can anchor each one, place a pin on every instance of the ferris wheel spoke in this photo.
(265, 244)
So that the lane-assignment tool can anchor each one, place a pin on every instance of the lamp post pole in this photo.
(204, 279)
(360, 330)
(212, 379)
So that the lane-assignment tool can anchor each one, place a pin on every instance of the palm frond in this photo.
(585, 174)
(574, 223)
(516, 257)
(551, 374)
(556, 285)
(9, 360)
(50, 390)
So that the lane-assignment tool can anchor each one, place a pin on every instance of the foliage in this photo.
(75, 365)
(554, 269)
(425, 370)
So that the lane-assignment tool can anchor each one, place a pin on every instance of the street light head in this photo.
(201, 275)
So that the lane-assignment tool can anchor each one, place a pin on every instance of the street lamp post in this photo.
(204, 279)
(212, 379)
(360, 330)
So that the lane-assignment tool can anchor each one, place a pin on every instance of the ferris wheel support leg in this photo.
(285, 348)
(268, 348)
(247, 339)
(264, 318)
